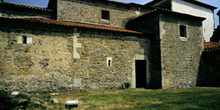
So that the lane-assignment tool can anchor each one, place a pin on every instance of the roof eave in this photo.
(156, 11)
(185, 15)
(67, 24)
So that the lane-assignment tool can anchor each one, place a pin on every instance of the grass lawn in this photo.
(171, 99)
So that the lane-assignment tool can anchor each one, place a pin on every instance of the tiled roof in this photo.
(67, 24)
(211, 46)
(166, 11)
(16, 6)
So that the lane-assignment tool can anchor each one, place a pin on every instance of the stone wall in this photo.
(150, 23)
(43, 65)
(95, 49)
(180, 57)
(46, 63)
(90, 11)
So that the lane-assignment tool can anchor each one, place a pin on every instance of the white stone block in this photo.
(29, 40)
(77, 82)
(15, 93)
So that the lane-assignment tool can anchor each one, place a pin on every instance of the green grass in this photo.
(171, 99)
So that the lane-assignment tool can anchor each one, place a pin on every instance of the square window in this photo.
(183, 32)
(105, 15)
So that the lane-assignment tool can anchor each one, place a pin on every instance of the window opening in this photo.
(182, 31)
(109, 61)
(105, 15)
(24, 39)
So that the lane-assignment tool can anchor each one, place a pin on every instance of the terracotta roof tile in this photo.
(211, 46)
(15, 6)
(165, 11)
(68, 24)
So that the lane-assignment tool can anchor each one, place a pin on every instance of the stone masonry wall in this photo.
(180, 57)
(47, 64)
(86, 11)
(43, 65)
(95, 73)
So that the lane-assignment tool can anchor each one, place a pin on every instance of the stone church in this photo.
(86, 45)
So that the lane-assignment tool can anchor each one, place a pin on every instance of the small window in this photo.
(24, 39)
(183, 32)
(109, 61)
(105, 15)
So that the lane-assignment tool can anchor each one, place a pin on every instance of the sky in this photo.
(43, 3)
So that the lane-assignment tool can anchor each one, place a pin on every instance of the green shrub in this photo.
(7, 102)
(20, 101)
(126, 85)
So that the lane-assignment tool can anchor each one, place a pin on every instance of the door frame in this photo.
(140, 57)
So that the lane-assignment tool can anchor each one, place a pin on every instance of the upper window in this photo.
(183, 32)
(105, 15)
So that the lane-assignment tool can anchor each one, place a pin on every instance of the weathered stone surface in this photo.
(47, 64)
(175, 60)
(180, 59)
(90, 11)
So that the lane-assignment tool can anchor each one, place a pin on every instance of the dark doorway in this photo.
(140, 66)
